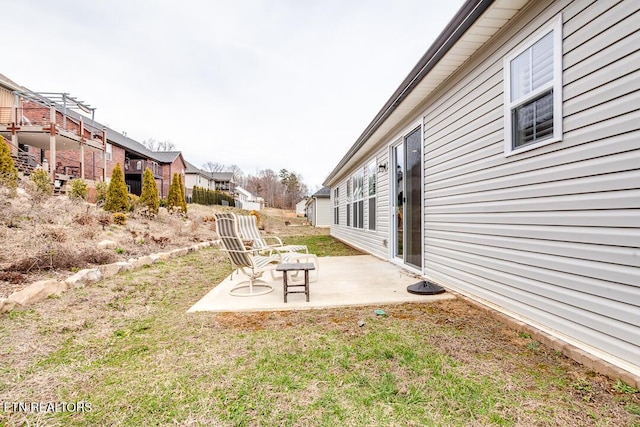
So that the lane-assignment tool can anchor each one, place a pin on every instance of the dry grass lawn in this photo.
(126, 349)
(56, 236)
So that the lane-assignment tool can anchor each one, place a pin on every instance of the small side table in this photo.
(303, 266)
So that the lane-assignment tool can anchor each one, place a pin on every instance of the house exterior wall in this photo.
(195, 180)
(373, 241)
(550, 236)
(190, 181)
(117, 156)
(320, 214)
(177, 166)
(309, 211)
(93, 160)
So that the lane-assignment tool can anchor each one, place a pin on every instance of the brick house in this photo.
(53, 131)
(172, 162)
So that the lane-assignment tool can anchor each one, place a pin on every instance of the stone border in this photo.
(43, 289)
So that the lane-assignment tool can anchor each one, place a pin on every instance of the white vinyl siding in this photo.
(323, 212)
(551, 235)
(349, 200)
(373, 241)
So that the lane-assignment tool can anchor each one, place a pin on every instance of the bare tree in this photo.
(213, 167)
(238, 175)
(254, 185)
(282, 190)
(154, 145)
(292, 187)
(270, 187)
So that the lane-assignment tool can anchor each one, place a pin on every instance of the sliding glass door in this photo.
(407, 199)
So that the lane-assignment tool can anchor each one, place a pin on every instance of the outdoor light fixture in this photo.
(382, 167)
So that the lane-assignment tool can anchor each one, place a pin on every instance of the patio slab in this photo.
(343, 281)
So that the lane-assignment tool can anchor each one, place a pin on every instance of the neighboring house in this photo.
(172, 163)
(47, 130)
(196, 177)
(318, 208)
(300, 207)
(74, 144)
(134, 158)
(246, 200)
(506, 167)
(223, 181)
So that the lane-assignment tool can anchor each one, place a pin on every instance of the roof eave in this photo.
(459, 24)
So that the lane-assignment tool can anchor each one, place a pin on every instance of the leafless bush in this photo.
(61, 257)
(195, 224)
(12, 277)
(105, 219)
(54, 234)
(84, 218)
(89, 233)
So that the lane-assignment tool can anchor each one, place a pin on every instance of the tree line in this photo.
(279, 190)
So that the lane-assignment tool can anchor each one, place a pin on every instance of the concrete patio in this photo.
(343, 281)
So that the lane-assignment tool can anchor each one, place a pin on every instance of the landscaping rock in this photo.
(83, 277)
(160, 256)
(6, 305)
(178, 252)
(38, 291)
(107, 244)
(109, 270)
(141, 262)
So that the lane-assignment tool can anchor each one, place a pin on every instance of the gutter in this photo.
(461, 22)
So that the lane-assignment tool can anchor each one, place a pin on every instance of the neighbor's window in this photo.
(108, 149)
(372, 176)
(533, 91)
(336, 205)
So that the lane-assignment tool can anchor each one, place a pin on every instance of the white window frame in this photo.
(108, 151)
(556, 84)
(371, 193)
(348, 205)
(336, 205)
(357, 198)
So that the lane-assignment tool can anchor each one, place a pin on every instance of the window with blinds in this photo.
(358, 199)
(372, 181)
(533, 88)
(336, 206)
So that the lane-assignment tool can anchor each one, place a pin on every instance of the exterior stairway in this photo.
(24, 163)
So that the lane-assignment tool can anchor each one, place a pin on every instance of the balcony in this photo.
(32, 124)
(138, 166)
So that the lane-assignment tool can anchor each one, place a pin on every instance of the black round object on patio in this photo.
(425, 288)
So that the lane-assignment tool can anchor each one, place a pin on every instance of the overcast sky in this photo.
(263, 84)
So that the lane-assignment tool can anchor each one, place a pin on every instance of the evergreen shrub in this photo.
(117, 193)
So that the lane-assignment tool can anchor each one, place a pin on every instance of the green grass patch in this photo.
(322, 245)
(127, 346)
